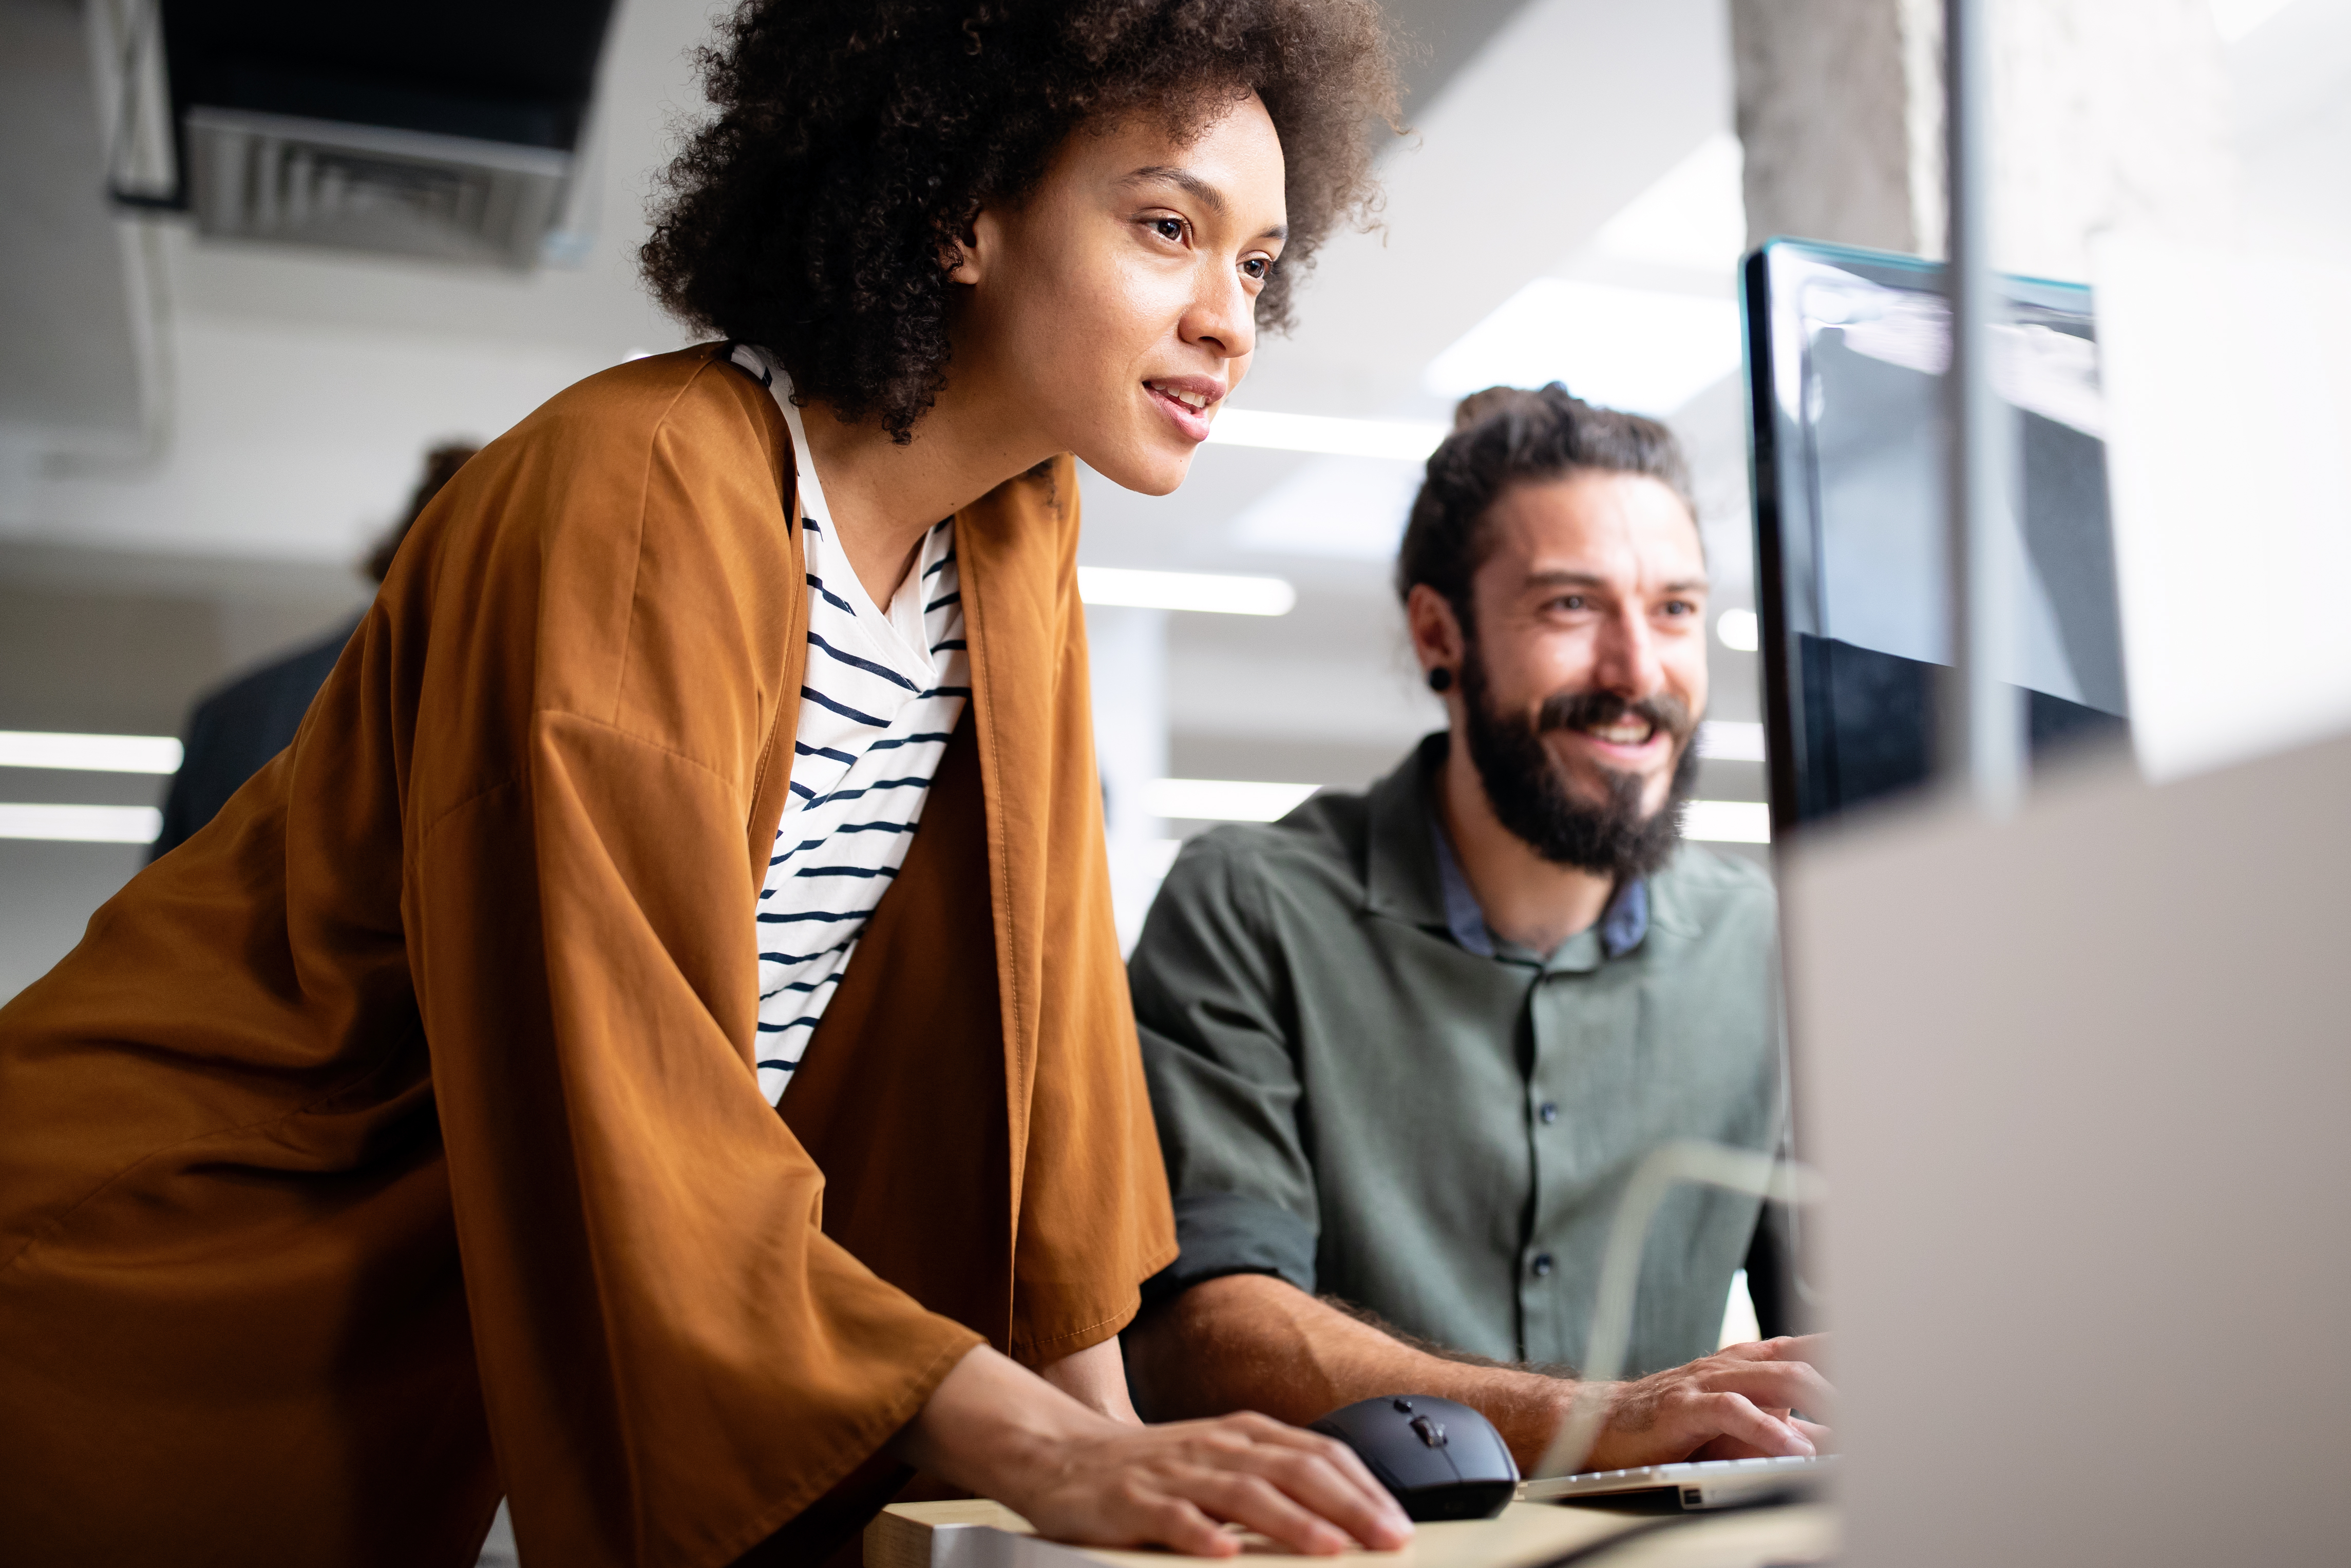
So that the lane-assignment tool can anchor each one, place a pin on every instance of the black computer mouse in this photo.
(1442, 1460)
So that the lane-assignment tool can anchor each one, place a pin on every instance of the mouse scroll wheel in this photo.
(1430, 1432)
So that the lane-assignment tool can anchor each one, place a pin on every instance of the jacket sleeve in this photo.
(674, 1359)
(1092, 1222)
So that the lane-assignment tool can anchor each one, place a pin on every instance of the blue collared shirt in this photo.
(1622, 925)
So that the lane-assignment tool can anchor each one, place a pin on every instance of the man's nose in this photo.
(1625, 660)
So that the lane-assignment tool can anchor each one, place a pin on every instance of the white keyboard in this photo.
(1698, 1483)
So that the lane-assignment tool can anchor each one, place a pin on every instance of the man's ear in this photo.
(1435, 630)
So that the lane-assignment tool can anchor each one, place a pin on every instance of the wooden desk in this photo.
(1524, 1535)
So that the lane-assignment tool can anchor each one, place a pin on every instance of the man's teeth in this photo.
(1188, 399)
(1622, 734)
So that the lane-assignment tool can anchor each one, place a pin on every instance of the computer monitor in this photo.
(1845, 351)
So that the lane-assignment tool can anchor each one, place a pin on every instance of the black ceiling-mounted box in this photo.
(424, 128)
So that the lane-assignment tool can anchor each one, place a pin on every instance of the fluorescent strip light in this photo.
(2236, 18)
(1729, 741)
(1727, 821)
(1694, 217)
(1222, 799)
(1740, 632)
(1631, 349)
(1400, 440)
(90, 753)
(1185, 591)
(82, 825)
(1333, 506)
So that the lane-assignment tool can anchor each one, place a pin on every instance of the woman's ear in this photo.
(969, 252)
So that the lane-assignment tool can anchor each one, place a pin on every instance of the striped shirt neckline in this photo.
(883, 692)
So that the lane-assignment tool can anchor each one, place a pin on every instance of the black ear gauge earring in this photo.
(1440, 679)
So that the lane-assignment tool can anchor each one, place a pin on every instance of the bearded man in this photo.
(1406, 1047)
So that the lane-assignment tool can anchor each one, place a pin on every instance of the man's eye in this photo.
(1169, 229)
(1570, 601)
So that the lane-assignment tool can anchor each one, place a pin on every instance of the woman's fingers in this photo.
(1346, 1464)
(1175, 1485)
(1178, 1525)
(1317, 1475)
(1337, 1486)
(1254, 1501)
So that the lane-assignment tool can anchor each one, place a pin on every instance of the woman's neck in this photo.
(885, 497)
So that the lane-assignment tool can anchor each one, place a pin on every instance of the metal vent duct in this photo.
(358, 187)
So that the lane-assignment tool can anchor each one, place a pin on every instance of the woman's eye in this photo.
(1256, 268)
(1171, 229)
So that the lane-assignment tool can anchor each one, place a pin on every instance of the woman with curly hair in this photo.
(655, 1044)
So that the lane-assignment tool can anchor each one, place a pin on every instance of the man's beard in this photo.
(1614, 838)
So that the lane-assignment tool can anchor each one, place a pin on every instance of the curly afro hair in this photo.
(854, 140)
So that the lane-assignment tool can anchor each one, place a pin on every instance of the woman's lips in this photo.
(1171, 398)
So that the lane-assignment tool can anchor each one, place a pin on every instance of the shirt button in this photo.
(1550, 1112)
(1541, 1265)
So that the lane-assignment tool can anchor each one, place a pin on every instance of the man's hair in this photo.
(441, 466)
(1504, 435)
(817, 214)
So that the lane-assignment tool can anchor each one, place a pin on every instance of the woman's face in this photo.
(1113, 310)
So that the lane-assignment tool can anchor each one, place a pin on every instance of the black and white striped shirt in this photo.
(883, 692)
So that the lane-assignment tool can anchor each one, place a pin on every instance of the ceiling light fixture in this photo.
(1222, 799)
(1730, 740)
(88, 753)
(1402, 441)
(1727, 821)
(81, 824)
(1185, 591)
(1638, 350)
(1694, 217)
(2236, 18)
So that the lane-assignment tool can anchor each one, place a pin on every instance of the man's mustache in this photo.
(1583, 710)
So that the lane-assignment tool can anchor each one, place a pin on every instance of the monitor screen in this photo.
(1847, 350)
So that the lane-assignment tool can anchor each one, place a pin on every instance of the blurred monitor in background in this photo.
(232, 731)
(1847, 350)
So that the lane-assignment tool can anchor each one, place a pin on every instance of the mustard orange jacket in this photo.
(396, 1142)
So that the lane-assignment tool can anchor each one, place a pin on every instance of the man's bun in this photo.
(1480, 406)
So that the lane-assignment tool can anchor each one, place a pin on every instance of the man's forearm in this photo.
(1250, 1341)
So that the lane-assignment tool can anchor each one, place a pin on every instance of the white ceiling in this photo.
(300, 385)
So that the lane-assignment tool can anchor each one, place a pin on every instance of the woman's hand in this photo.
(1078, 1476)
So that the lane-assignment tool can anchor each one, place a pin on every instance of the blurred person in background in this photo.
(1406, 1047)
(566, 1070)
(232, 731)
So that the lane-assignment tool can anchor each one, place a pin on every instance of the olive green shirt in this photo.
(1367, 1099)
